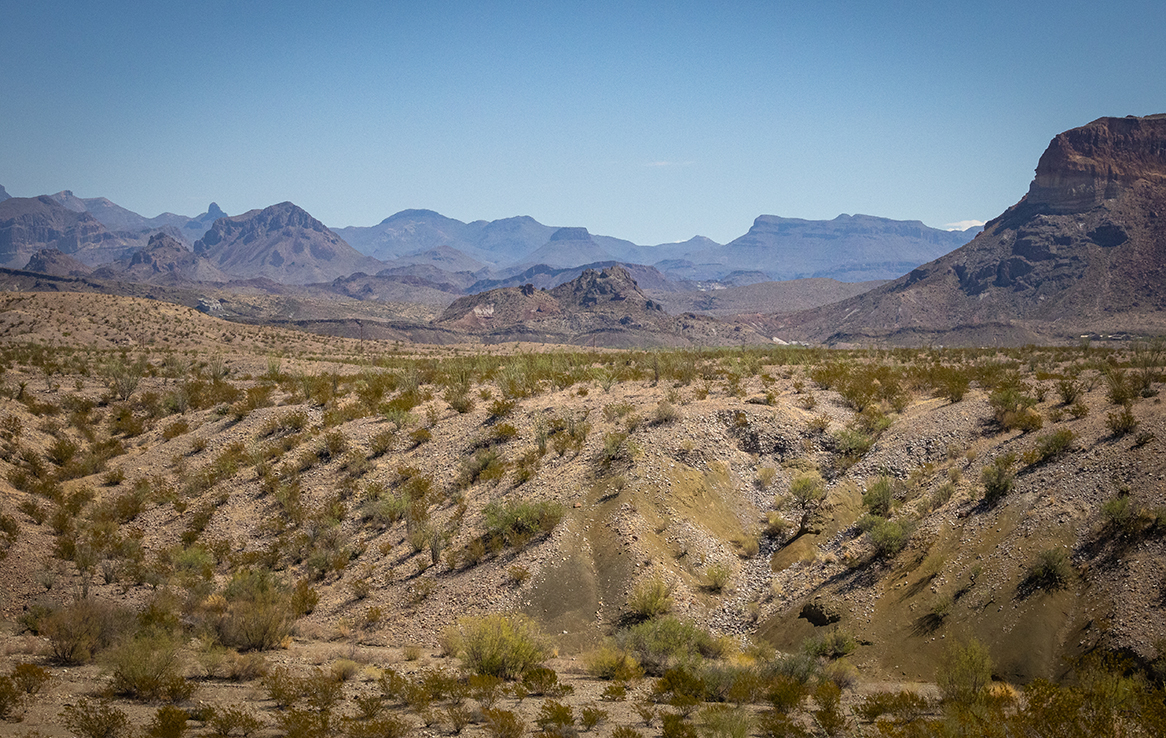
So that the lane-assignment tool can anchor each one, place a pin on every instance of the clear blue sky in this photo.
(647, 121)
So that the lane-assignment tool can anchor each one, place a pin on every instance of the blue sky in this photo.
(648, 121)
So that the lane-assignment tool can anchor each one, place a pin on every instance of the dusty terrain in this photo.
(239, 448)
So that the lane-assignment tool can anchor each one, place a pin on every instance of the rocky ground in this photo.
(669, 478)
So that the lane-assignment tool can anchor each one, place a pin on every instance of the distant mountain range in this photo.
(1083, 252)
(848, 248)
(423, 257)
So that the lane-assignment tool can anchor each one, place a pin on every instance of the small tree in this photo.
(807, 499)
(964, 673)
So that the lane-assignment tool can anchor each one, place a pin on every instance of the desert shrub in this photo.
(282, 687)
(786, 693)
(965, 671)
(1121, 389)
(888, 537)
(905, 706)
(818, 423)
(722, 721)
(301, 723)
(879, 497)
(665, 413)
(555, 718)
(502, 723)
(1122, 422)
(616, 447)
(517, 522)
(1052, 570)
(168, 722)
(674, 726)
(147, 667)
(998, 477)
(1012, 406)
(9, 532)
(729, 682)
(484, 465)
(11, 699)
(505, 646)
(680, 687)
(614, 692)
(765, 477)
(829, 715)
(1122, 515)
(611, 662)
(89, 719)
(649, 599)
(831, 645)
(852, 443)
(591, 716)
(1070, 389)
(229, 721)
(459, 399)
(1050, 447)
(518, 575)
(951, 383)
(259, 612)
(540, 680)
(30, 679)
(624, 731)
(79, 630)
(666, 641)
(383, 508)
(718, 576)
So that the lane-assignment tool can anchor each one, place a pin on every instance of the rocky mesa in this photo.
(1083, 252)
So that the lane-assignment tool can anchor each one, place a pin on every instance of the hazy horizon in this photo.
(648, 122)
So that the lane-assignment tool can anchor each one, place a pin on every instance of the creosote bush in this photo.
(999, 477)
(504, 646)
(649, 599)
(1052, 570)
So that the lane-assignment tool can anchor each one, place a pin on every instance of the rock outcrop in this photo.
(1083, 252)
(29, 224)
(164, 260)
(56, 263)
(283, 243)
(603, 308)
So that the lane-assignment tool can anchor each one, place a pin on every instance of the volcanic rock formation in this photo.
(164, 260)
(29, 224)
(601, 307)
(1083, 252)
(56, 263)
(283, 243)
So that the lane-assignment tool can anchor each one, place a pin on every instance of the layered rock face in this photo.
(1083, 252)
(29, 224)
(1086, 166)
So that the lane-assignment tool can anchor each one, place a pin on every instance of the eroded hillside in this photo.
(361, 497)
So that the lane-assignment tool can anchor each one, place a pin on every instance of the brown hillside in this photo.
(605, 308)
(165, 461)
